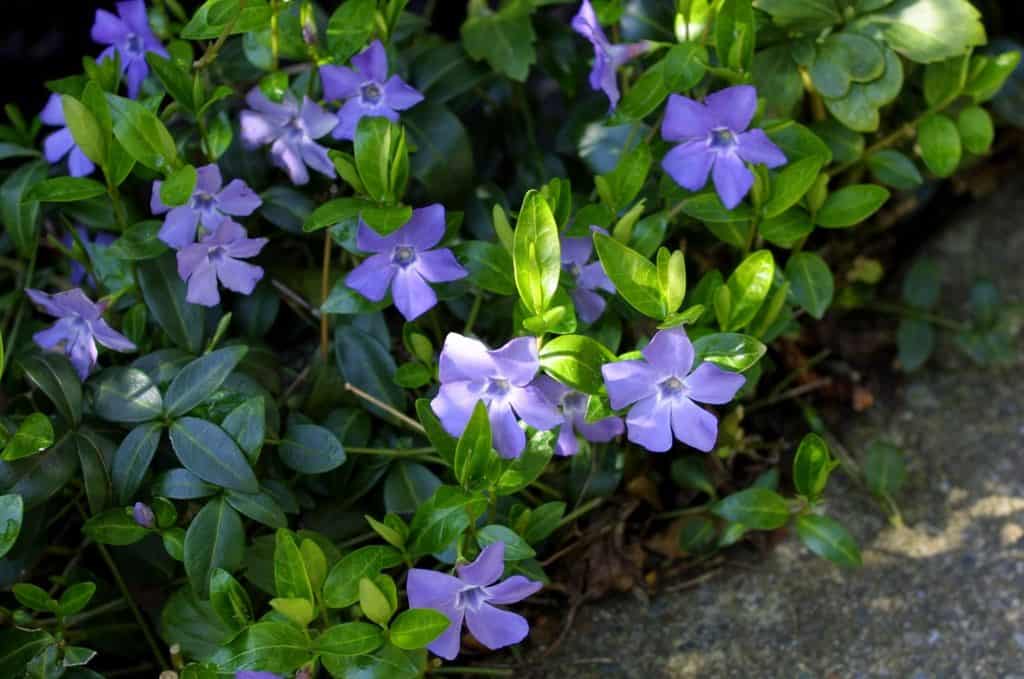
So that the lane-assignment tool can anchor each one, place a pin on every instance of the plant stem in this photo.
(373, 400)
(686, 511)
(473, 313)
(26, 281)
(917, 314)
(581, 510)
(275, 39)
(214, 49)
(325, 280)
(139, 618)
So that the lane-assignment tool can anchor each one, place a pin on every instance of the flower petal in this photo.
(190, 257)
(601, 431)
(566, 445)
(45, 302)
(81, 350)
(61, 331)
(454, 405)
(586, 24)
(286, 157)
(517, 361)
(238, 199)
(712, 384)
(280, 113)
(487, 568)
(244, 248)
(74, 301)
(107, 28)
(628, 382)
(137, 71)
(110, 338)
(693, 425)
(509, 439)
(413, 296)
(349, 116)
(495, 628)
(754, 146)
(439, 266)
(425, 228)
(208, 179)
(133, 12)
(57, 145)
(257, 129)
(339, 82)
(576, 250)
(689, 164)
(400, 95)
(156, 203)
(534, 408)
(79, 164)
(593, 277)
(732, 179)
(685, 119)
(649, 424)
(733, 107)
(315, 156)
(316, 121)
(369, 240)
(239, 276)
(589, 305)
(431, 589)
(372, 278)
(53, 112)
(670, 352)
(372, 62)
(513, 590)
(202, 284)
(464, 358)
(179, 228)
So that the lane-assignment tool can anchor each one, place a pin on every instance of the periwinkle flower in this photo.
(78, 272)
(290, 131)
(217, 256)
(143, 515)
(60, 143)
(503, 380)
(573, 406)
(128, 33)
(589, 276)
(366, 90)
(79, 327)
(714, 139)
(472, 597)
(406, 262)
(607, 57)
(210, 204)
(663, 390)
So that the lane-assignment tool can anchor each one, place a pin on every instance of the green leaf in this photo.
(944, 80)
(12, 511)
(132, 460)
(33, 436)
(215, 539)
(178, 187)
(504, 38)
(634, 276)
(341, 588)
(805, 15)
(859, 108)
(349, 639)
(200, 378)
(246, 424)
(811, 282)
(828, 539)
(536, 253)
(64, 190)
(939, 141)
(213, 17)
(76, 597)
(365, 361)
(181, 484)
(269, 646)
(473, 451)
(576, 360)
(788, 228)
(89, 136)
(735, 34)
(756, 508)
(349, 28)
(374, 602)
(417, 627)
(384, 219)
(164, 293)
(230, 601)
(697, 535)
(708, 207)
(261, 507)
(52, 374)
(894, 169)
(691, 472)
(21, 218)
(39, 477)
(443, 162)
(382, 158)
(976, 129)
(174, 79)
(526, 468)
(126, 395)
(440, 520)
(790, 185)
(929, 30)
(436, 434)
(988, 74)
(142, 134)
(409, 485)
(19, 646)
(489, 264)
(139, 242)
(291, 580)
(34, 597)
(619, 187)
(748, 287)
(209, 453)
(114, 527)
(851, 205)
(915, 340)
(93, 453)
(922, 284)
(729, 350)
(516, 548)
(310, 449)
(671, 278)
(812, 466)
(884, 468)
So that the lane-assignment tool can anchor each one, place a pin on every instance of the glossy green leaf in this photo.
(215, 539)
(12, 510)
(634, 276)
(536, 253)
(851, 205)
(33, 435)
(417, 627)
(341, 588)
(748, 287)
(756, 508)
(828, 539)
(884, 468)
(229, 600)
(164, 293)
(812, 466)
(730, 350)
(473, 452)
(209, 453)
(53, 374)
(349, 639)
(939, 141)
(311, 449)
(114, 527)
(811, 282)
(200, 378)
(126, 395)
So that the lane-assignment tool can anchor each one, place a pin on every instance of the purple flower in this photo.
(79, 327)
(367, 90)
(663, 390)
(405, 262)
(503, 380)
(290, 131)
(143, 515)
(715, 140)
(209, 205)
(130, 35)
(216, 257)
(573, 406)
(607, 57)
(61, 143)
(589, 278)
(78, 272)
(470, 597)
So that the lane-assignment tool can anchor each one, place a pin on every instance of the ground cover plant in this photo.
(324, 331)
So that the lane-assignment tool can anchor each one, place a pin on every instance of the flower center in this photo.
(671, 387)
(203, 201)
(293, 129)
(403, 256)
(497, 387)
(134, 45)
(471, 598)
(216, 254)
(574, 402)
(722, 138)
(574, 269)
(371, 93)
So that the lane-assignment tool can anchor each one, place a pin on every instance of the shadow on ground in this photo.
(941, 597)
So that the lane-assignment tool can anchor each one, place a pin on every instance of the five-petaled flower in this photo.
(607, 57)
(714, 139)
(503, 380)
(406, 262)
(588, 276)
(60, 143)
(366, 90)
(128, 33)
(79, 327)
(663, 388)
(143, 515)
(78, 272)
(209, 205)
(216, 257)
(471, 597)
(290, 131)
(573, 406)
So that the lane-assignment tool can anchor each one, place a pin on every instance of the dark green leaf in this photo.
(164, 293)
(350, 28)
(828, 539)
(757, 508)
(126, 395)
(504, 38)
(812, 466)
(52, 374)
(811, 282)
(64, 190)
(311, 449)
(350, 639)
(939, 141)
(229, 600)
(851, 205)
(12, 510)
(884, 468)
(33, 436)
(114, 527)
(894, 169)
(209, 453)
(200, 378)
(215, 539)
(341, 588)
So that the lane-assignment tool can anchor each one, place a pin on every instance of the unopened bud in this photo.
(143, 515)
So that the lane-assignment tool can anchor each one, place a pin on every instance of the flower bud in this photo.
(143, 515)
